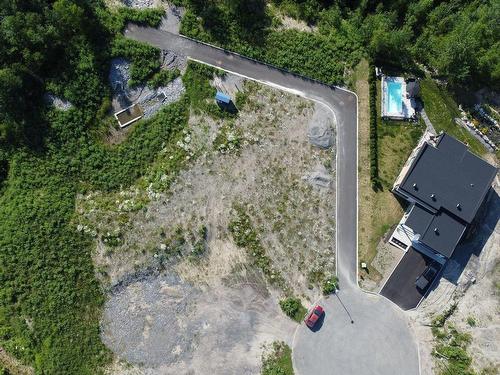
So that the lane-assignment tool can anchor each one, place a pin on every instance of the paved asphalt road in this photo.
(379, 341)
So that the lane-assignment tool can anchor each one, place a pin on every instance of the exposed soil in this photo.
(475, 289)
(176, 307)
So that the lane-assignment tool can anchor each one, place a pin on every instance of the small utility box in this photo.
(222, 98)
(128, 115)
(224, 102)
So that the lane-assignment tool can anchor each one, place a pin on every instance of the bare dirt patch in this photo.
(475, 290)
(183, 297)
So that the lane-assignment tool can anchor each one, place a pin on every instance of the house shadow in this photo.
(470, 248)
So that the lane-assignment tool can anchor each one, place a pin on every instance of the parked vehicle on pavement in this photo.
(426, 278)
(314, 315)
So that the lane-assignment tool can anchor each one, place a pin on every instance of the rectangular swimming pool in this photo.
(394, 103)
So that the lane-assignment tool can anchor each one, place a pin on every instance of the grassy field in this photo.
(442, 109)
(379, 210)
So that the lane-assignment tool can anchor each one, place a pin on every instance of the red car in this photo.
(314, 316)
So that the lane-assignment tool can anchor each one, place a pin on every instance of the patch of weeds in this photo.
(293, 308)
(489, 370)
(440, 320)
(245, 236)
(143, 57)
(315, 277)
(199, 244)
(113, 239)
(451, 350)
(172, 158)
(278, 361)
(451, 346)
(241, 99)
(471, 321)
(174, 245)
(228, 139)
(201, 94)
(144, 17)
(163, 78)
(330, 285)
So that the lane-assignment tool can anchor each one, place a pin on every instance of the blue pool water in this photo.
(394, 98)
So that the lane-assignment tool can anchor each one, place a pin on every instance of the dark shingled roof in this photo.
(419, 219)
(448, 184)
(443, 233)
(440, 231)
(449, 177)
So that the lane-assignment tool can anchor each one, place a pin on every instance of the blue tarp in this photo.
(223, 98)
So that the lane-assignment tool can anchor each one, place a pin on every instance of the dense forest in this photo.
(50, 301)
(458, 40)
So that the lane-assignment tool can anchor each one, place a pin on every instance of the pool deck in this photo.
(407, 108)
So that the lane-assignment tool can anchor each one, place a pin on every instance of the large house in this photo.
(445, 185)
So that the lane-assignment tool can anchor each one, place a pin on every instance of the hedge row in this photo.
(372, 82)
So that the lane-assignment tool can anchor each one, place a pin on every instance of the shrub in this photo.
(471, 321)
(330, 285)
(245, 235)
(117, 20)
(372, 82)
(293, 308)
(145, 59)
(278, 361)
(163, 78)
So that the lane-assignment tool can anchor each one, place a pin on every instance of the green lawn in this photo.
(278, 361)
(380, 210)
(442, 109)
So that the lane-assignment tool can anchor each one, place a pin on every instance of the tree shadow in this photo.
(246, 20)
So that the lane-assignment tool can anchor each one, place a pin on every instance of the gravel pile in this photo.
(57, 102)
(150, 100)
(171, 60)
(168, 326)
(119, 74)
(320, 132)
(139, 4)
(143, 322)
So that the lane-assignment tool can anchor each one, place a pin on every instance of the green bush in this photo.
(323, 56)
(330, 285)
(293, 308)
(144, 17)
(163, 78)
(245, 236)
(374, 172)
(278, 361)
(145, 59)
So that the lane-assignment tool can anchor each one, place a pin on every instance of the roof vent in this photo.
(459, 207)
(433, 197)
(436, 231)
(471, 185)
(415, 186)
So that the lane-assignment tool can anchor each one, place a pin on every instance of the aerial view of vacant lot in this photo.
(195, 267)
(273, 187)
